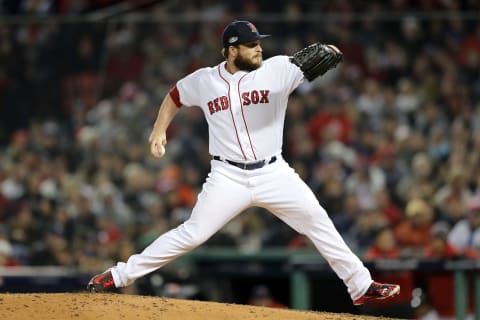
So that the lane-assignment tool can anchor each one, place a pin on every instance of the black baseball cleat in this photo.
(378, 291)
(102, 282)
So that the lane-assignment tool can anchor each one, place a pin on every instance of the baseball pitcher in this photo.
(244, 100)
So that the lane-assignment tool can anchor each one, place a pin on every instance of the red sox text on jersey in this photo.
(248, 98)
(255, 103)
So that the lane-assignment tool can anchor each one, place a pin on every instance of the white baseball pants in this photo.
(229, 190)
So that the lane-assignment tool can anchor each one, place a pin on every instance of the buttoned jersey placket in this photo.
(228, 79)
(235, 108)
(239, 116)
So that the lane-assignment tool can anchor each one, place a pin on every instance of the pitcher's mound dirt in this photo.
(79, 306)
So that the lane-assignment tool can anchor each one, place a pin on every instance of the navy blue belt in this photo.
(248, 166)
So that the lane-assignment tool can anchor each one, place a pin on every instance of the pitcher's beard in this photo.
(246, 65)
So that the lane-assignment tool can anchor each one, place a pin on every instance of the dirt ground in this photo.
(79, 306)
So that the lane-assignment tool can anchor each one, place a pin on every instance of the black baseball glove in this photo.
(316, 59)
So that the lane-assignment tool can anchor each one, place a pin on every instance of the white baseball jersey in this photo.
(238, 106)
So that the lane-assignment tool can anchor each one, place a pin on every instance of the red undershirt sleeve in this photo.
(175, 96)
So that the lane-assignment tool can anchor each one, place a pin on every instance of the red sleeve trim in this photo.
(175, 96)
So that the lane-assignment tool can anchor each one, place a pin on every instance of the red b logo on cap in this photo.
(252, 27)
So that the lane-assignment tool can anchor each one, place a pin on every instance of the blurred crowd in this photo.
(389, 141)
(58, 7)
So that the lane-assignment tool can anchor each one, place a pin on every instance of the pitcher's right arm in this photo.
(158, 137)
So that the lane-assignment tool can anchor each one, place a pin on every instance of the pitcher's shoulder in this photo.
(202, 72)
(276, 60)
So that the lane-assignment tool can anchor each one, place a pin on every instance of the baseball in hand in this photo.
(160, 150)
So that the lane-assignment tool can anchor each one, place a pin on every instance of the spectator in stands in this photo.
(419, 178)
(384, 245)
(365, 180)
(439, 247)
(386, 159)
(332, 122)
(465, 234)
(455, 190)
(392, 212)
(413, 234)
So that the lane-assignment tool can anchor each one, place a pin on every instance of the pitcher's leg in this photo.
(290, 199)
(219, 202)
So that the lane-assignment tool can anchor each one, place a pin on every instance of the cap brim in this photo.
(262, 36)
(255, 38)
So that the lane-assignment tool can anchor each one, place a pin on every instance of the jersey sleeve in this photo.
(289, 73)
(188, 89)
(175, 96)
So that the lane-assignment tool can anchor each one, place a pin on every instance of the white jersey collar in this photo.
(227, 75)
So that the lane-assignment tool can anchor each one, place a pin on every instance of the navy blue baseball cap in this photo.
(239, 32)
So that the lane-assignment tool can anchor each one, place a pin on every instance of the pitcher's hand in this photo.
(158, 140)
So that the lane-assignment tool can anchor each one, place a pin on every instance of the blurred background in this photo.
(389, 142)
